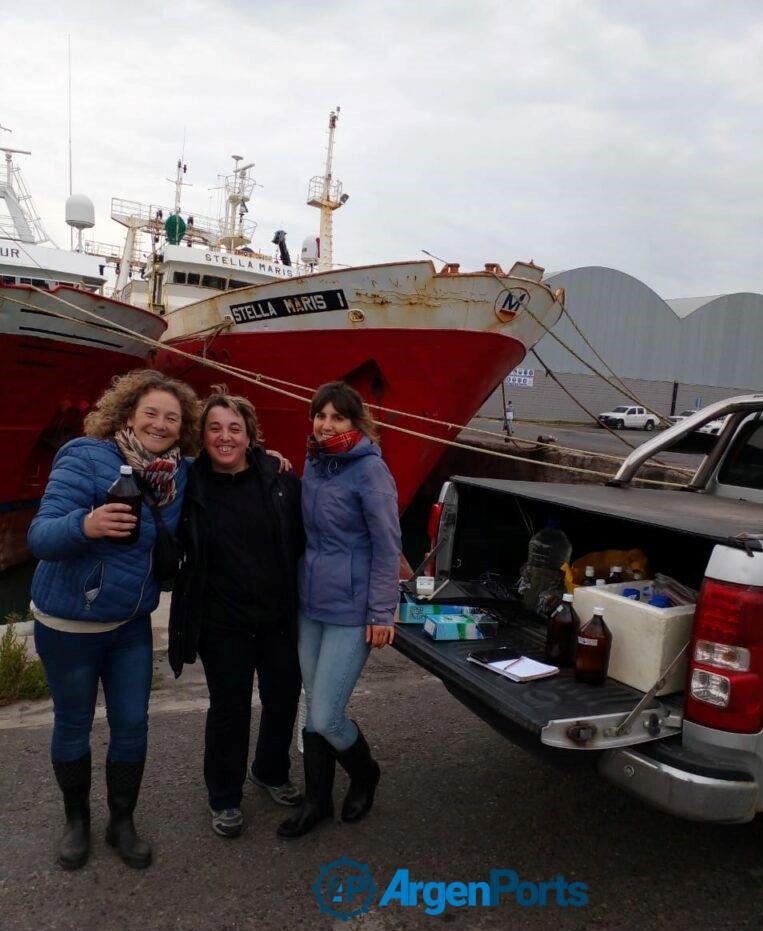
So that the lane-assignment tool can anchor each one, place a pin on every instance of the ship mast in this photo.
(326, 194)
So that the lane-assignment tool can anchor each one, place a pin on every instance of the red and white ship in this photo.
(60, 345)
(408, 338)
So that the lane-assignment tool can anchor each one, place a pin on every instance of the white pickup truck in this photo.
(631, 418)
(697, 753)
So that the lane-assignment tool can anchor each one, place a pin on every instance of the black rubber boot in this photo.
(123, 786)
(74, 779)
(364, 774)
(317, 805)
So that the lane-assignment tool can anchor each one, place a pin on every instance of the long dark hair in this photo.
(348, 403)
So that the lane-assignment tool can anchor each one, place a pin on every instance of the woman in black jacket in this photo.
(235, 604)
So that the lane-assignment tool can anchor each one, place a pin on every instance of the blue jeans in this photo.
(332, 657)
(122, 660)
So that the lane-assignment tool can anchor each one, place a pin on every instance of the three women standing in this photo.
(92, 597)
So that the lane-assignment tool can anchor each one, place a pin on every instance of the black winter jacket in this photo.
(282, 498)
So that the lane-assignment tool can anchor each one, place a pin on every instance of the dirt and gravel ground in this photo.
(456, 801)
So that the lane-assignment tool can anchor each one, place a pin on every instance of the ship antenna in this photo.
(326, 194)
(69, 56)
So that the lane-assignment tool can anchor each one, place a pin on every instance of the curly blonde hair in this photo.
(119, 402)
(220, 397)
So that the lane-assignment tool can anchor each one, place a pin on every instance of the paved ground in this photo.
(591, 439)
(456, 801)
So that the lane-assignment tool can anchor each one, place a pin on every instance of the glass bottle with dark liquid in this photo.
(615, 575)
(594, 642)
(125, 491)
(590, 576)
(560, 635)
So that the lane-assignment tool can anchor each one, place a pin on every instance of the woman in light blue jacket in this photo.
(348, 592)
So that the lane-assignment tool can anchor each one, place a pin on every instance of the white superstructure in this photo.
(188, 259)
(24, 256)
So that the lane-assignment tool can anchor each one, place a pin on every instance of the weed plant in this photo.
(20, 676)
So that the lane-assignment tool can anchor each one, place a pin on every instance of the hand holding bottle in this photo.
(109, 520)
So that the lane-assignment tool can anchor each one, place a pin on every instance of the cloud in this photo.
(571, 132)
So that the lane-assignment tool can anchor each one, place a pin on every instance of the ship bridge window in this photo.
(193, 278)
(212, 281)
(237, 284)
(178, 278)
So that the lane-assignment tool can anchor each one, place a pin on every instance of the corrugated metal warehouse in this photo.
(672, 354)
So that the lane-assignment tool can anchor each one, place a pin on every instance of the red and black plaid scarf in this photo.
(341, 443)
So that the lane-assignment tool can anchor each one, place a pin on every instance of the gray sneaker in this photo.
(287, 794)
(228, 822)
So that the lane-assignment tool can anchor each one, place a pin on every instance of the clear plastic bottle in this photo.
(547, 551)
(549, 548)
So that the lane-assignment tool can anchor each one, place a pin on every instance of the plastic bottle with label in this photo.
(125, 491)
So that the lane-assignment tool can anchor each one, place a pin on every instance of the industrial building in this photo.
(672, 354)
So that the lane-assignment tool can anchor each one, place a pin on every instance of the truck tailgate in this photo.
(531, 706)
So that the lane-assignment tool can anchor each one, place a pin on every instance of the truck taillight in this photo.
(725, 681)
(433, 530)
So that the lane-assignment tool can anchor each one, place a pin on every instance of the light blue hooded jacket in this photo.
(349, 572)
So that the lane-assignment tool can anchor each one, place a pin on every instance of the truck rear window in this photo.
(744, 464)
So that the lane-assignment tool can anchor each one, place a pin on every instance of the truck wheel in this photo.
(649, 425)
(619, 425)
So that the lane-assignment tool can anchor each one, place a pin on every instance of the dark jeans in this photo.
(230, 659)
(122, 660)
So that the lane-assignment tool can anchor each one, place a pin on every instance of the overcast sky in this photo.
(623, 133)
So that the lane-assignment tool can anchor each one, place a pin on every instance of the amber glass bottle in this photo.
(560, 634)
(594, 642)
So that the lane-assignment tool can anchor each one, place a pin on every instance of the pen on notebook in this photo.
(510, 663)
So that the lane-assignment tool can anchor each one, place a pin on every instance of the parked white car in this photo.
(633, 418)
(677, 418)
(714, 427)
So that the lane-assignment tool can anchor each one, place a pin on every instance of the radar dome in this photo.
(80, 212)
(310, 250)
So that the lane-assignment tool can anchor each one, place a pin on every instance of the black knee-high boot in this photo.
(364, 774)
(123, 787)
(317, 804)
(73, 777)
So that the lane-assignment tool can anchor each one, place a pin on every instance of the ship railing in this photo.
(315, 191)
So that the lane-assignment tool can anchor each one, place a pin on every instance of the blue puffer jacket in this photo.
(349, 572)
(92, 580)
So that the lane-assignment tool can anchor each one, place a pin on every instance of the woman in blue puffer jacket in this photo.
(92, 594)
(348, 592)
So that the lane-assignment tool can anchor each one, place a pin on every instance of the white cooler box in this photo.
(645, 639)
